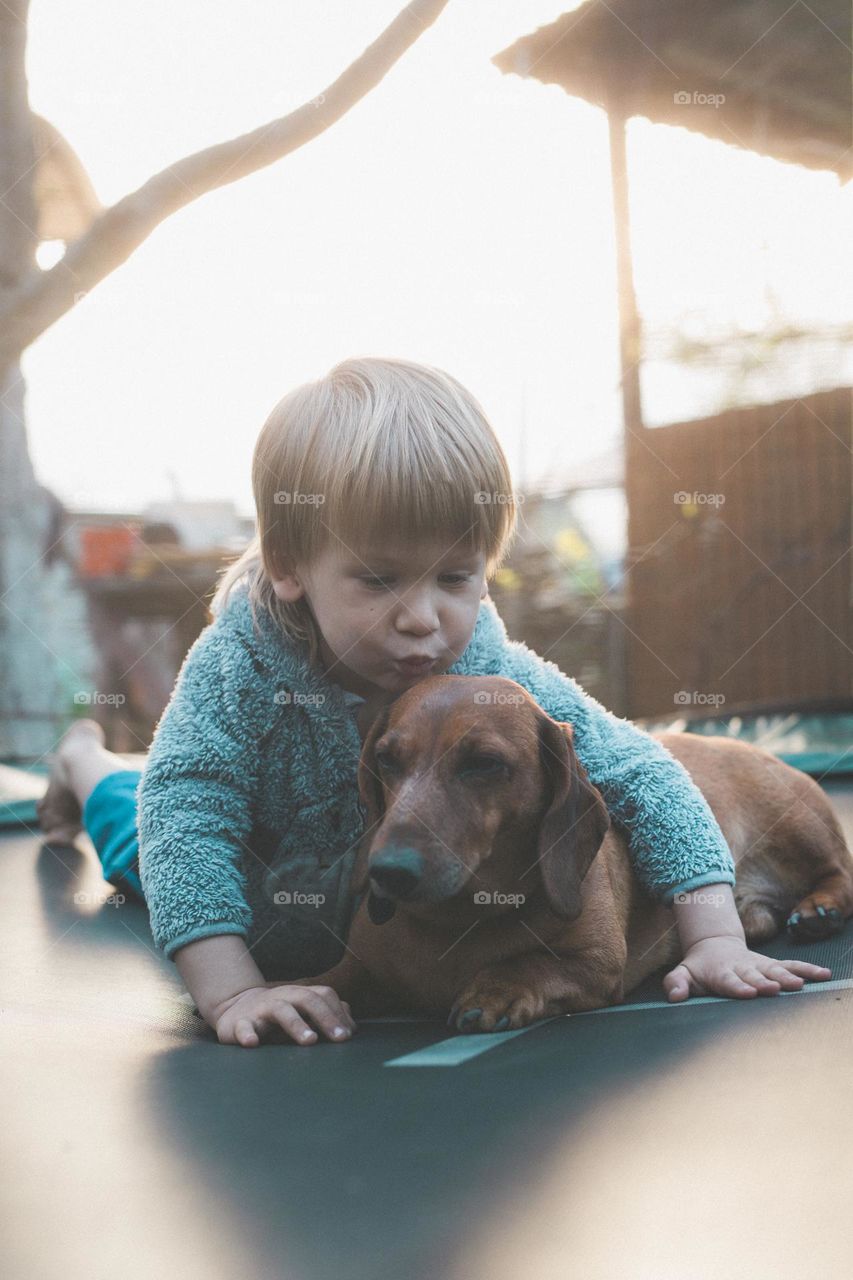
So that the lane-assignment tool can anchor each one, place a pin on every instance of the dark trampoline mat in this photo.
(682, 1141)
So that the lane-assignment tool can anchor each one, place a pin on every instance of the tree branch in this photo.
(42, 297)
(17, 208)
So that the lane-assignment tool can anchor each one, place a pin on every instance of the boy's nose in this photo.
(397, 870)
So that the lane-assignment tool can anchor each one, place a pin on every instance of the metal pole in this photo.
(629, 357)
(629, 318)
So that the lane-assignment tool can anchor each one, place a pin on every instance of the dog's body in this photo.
(442, 832)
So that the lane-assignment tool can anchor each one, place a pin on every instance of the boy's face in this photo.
(379, 604)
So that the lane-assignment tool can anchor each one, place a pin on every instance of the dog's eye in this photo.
(483, 766)
(385, 761)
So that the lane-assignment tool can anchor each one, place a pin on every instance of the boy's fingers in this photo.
(753, 977)
(676, 983)
(290, 1022)
(242, 1032)
(745, 981)
(784, 977)
(329, 1020)
(806, 970)
(326, 1012)
(734, 983)
(341, 1010)
(249, 1031)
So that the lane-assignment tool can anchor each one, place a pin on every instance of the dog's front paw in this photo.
(502, 1008)
(811, 921)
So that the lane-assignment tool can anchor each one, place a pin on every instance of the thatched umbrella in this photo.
(783, 70)
(766, 75)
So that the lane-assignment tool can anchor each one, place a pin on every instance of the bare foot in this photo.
(60, 815)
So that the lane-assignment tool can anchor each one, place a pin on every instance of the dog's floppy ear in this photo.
(574, 824)
(373, 798)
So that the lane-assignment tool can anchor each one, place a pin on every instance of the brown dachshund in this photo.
(497, 886)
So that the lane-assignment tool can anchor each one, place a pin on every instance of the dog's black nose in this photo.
(397, 871)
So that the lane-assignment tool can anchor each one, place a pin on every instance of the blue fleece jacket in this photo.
(248, 808)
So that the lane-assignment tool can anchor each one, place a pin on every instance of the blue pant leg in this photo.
(109, 816)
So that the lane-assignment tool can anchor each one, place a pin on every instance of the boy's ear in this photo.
(285, 583)
(288, 588)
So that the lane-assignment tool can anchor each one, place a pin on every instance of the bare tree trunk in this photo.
(36, 678)
(27, 685)
(37, 681)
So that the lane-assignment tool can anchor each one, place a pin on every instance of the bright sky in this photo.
(456, 216)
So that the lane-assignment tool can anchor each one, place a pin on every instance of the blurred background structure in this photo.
(740, 580)
(684, 545)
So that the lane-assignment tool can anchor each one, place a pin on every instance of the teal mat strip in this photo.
(831, 984)
(19, 791)
(462, 1048)
(450, 1053)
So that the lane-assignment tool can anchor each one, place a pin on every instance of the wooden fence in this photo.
(740, 573)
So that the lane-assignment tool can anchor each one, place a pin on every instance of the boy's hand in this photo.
(723, 966)
(246, 1018)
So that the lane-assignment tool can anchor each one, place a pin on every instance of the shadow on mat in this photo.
(325, 1163)
(335, 1165)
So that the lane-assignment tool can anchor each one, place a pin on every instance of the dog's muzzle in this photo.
(395, 875)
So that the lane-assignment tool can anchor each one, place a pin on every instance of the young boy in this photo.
(384, 503)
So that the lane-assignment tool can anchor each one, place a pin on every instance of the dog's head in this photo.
(470, 789)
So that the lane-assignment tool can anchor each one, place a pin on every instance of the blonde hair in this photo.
(377, 449)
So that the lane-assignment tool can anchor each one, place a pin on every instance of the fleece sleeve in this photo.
(675, 842)
(195, 798)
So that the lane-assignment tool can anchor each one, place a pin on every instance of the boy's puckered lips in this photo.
(413, 666)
